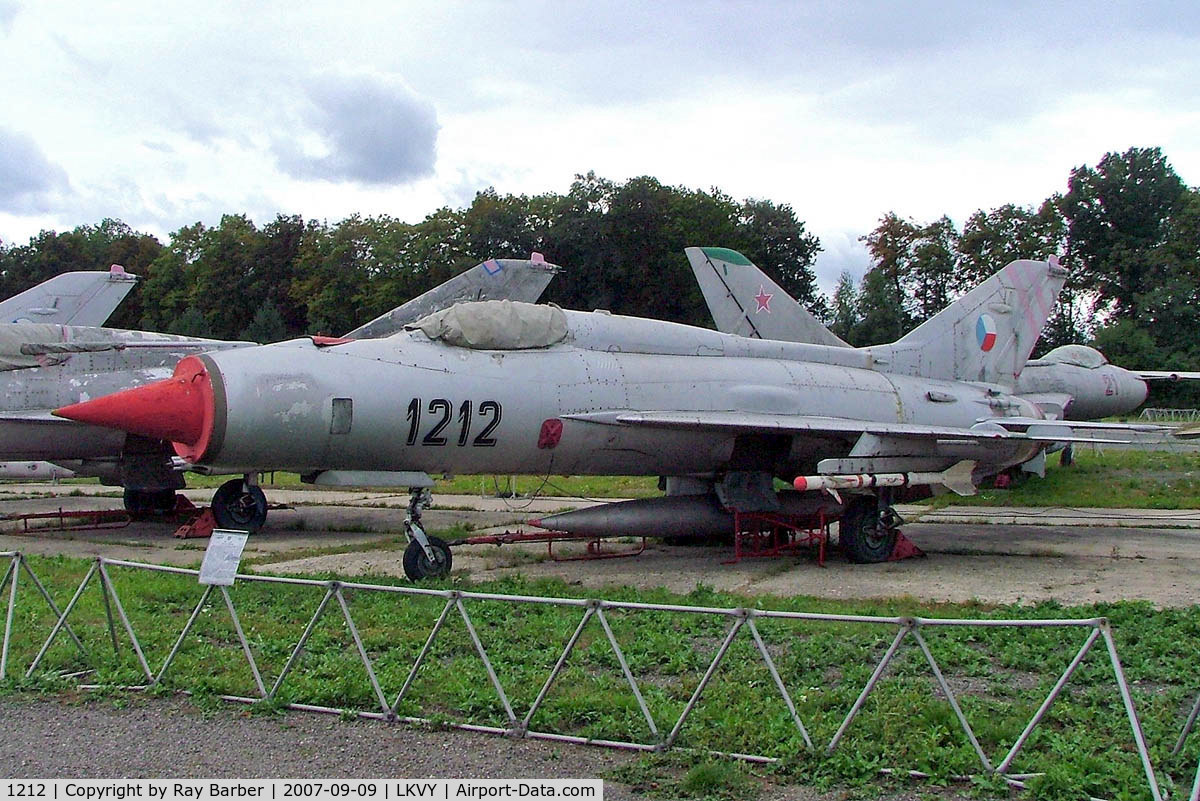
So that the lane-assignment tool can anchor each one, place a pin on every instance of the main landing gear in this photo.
(146, 503)
(238, 504)
(425, 556)
(869, 528)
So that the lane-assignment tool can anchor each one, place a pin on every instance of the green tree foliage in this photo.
(267, 326)
(88, 247)
(884, 304)
(844, 312)
(1118, 216)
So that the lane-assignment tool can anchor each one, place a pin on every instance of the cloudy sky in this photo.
(163, 113)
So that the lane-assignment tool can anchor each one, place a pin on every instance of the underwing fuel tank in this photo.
(677, 516)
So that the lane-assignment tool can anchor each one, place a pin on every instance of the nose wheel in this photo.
(425, 556)
(240, 505)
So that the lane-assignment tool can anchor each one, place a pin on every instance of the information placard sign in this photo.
(222, 557)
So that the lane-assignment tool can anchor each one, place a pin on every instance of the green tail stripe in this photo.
(725, 254)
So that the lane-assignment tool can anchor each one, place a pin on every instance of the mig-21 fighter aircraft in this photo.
(504, 387)
(45, 366)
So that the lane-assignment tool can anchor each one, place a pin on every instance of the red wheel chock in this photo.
(201, 526)
(904, 549)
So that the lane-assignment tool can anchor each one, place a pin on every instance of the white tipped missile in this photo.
(34, 471)
(957, 479)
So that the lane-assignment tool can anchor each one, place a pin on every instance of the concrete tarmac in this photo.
(993, 555)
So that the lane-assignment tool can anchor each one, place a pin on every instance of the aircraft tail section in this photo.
(987, 334)
(495, 279)
(84, 297)
(745, 302)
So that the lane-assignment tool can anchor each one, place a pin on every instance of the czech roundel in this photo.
(985, 332)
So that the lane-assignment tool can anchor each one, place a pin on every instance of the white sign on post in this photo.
(222, 557)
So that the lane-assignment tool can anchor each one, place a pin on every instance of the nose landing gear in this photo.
(238, 504)
(425, 556)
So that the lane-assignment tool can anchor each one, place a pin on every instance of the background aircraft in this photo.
(84, 297)
(1074, 382)
(518, 388)
(43, 367)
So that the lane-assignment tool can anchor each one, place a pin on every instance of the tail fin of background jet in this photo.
(987, 334)
(85, 297)
(495, 279)
(745, 302)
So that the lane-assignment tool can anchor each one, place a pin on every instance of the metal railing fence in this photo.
(664, 734)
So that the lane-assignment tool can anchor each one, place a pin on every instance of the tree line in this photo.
(1128, 229)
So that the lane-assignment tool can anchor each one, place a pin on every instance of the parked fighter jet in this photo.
(46, 366)
(83, 297)
(1074, 382)
(518, 388)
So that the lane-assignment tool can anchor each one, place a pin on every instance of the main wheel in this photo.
(141, 503)
(239, 505)
(417, 565)
(1066, 457)
(864, 534)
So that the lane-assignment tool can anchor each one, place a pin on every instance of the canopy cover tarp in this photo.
(496, 325)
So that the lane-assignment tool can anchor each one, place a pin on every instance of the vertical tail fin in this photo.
(494, 279)
(987, 334)
(744, 301)
(84, 297)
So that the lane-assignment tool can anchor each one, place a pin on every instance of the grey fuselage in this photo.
(410, 403)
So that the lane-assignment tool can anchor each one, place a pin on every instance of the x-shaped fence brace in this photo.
(455, 601)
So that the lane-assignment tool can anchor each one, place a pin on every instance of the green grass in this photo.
(1001, 674)
(1108, 479)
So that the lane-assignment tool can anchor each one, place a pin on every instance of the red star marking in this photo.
(763, 299)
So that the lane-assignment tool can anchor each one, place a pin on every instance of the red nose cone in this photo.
(179, 409)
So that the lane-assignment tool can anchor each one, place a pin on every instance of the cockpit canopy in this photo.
(495, 325)
(1078, 355)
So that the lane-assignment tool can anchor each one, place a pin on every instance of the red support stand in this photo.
(761, 534)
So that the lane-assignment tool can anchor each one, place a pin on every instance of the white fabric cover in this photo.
(496, 325)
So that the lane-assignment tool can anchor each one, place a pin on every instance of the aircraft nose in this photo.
(1136, 387)
(179, 410)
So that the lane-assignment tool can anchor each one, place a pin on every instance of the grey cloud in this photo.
(27, 177)
(632, 51)
(158, 146)
(376, 132)
(86, 64)
(8, 12)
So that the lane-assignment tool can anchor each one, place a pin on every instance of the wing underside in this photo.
(1000, 428)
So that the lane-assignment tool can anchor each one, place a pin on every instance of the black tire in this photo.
(145, 503)
(237, 505)
(863, 534)
(1066, 457)
(417, 565)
